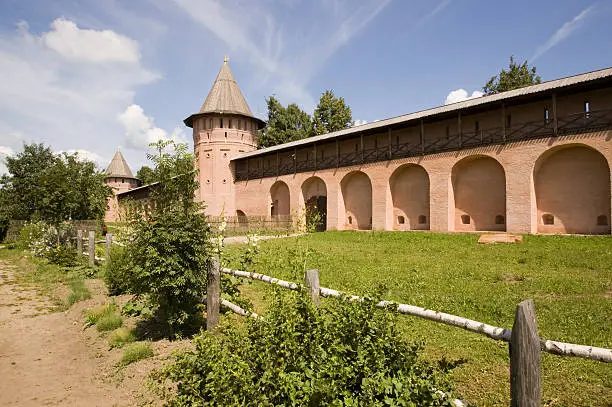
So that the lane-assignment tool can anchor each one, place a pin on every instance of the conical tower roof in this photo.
(118, 167)
(224, 97)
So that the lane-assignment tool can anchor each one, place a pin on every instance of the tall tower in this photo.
(224, 128)
(119, 177)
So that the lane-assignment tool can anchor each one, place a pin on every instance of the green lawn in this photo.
(569, 278)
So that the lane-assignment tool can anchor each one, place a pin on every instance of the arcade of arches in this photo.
(522, 188)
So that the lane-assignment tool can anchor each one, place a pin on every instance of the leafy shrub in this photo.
(116, 273)
(342, 354)
(135, 352)
(121, 336)
(63, 256)
(109, 322)
(94, 315)
(138, 307)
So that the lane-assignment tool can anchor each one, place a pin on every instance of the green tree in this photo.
(331, 114)
(517, 76)
(170, 247)
(52, 187)
(146, 175)
(284, 124)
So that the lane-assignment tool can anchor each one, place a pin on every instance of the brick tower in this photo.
(223, 128)
(119, 177)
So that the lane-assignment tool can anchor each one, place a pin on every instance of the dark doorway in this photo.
(316, 213)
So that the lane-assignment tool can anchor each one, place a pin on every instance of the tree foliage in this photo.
(169, 245)
(517, 76)
(146, 175)
(284, 124)
(331, 114)
(291, 123)
(342, 354)
(52, 187)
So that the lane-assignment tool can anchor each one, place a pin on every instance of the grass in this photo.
(47, 276)
(135, 352)
(569, 278)
(94, 315)
(121, 336)
(109, 322)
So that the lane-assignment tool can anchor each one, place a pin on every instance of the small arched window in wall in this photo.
(221, 122)
(226, 136)
(208, 181)
(224, 181)
(422, 219)
(587, 109)
(465, 219)
(211, 124)
(350, 220)
(499, 220)
(548, 219)
(122, 180)
(602, 220)
(401, 220)
(546, 116)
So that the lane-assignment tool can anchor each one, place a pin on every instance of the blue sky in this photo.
(95, 75)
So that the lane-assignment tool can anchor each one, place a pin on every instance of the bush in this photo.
(116, 273)
(62, 256)
(342, 354)
(121, 336)
(135, 352)
(109, 322)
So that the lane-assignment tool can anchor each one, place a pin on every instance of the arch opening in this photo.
(280, 204)
(572, 189)
(409, 186)
(357, 196)
(479, 188)
(314, 192)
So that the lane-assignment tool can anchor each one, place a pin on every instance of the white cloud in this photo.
(359, 122)
(100, 161)
(65, 87)
(288, 56)
(140, 129)
(4, 150)
(460, 95)
(565, 31)
(68, 40)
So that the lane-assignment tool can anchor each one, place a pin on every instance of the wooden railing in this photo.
(567, 124)
(525, 344)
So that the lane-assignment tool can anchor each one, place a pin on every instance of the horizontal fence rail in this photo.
(493, 332)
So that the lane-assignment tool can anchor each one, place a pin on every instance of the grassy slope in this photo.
(569, 278)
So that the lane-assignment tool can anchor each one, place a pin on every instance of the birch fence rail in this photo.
(525, 344)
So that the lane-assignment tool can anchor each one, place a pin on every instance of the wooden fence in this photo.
(525, 345)
(15, 226)
(241, 225)
(91, 245)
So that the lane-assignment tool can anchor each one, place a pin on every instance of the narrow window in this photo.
(587, 109)
(422, 219)
(602, 220)
(240, 124)
(465, 219)
(401, 220)
(350, 220)
(230, 124)
(123, 180)
(221, 122)
(546, 117)
(499, 220)
(226, 135)
(211, 123)
(508, 121)
(548, 219)
(476, 126)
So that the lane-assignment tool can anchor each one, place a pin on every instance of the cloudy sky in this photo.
(96, 75)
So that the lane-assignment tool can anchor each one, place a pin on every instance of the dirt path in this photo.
(46, 359)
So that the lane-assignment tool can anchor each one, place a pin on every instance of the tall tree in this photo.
(284, 124)
(517, 76)
(146, 175)
(52, 187)
(331, 114)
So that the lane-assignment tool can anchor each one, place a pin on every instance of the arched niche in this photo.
(357, 196)
(314, 193)
(409, 186)
(280, 204)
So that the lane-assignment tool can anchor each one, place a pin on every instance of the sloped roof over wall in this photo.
(118, 167)
(557, 84)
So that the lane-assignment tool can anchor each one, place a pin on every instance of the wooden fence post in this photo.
(109, 242)
(213, 294)
(525, 358)
(91, 248)
(311, 279)
(79, 242)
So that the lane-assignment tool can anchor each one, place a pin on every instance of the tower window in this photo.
(230, 123)
(226, 135)
(546, 116)
(211, 123)
(221, 122)
(123, 180)
(240, 124)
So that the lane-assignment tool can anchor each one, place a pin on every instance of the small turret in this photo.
(120, 178)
